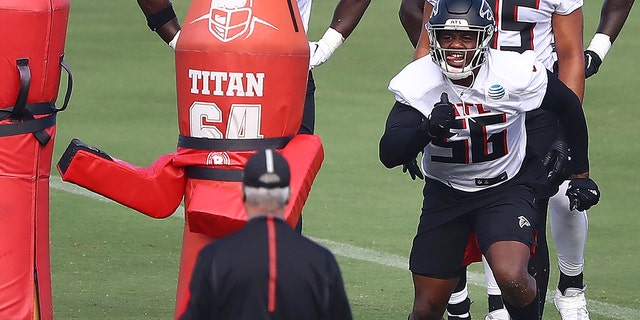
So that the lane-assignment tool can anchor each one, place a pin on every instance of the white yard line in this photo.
(608, 310)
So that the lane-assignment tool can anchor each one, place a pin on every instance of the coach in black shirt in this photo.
(266, 270)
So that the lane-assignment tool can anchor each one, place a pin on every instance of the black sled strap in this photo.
(67, 95)
(25, 83)
(22, 113)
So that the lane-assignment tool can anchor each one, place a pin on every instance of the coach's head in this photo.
(265, 183)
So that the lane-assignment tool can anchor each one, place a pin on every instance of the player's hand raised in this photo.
(441, 118)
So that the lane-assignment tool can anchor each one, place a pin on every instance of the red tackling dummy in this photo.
(33, 39)
(241, 75)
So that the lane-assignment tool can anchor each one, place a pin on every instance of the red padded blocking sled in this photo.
(243, 80)
(34, 31)
(241, 77)
(241, 73)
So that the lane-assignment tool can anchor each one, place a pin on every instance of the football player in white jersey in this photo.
(533, 25)
(569, 298)
(479, 177)
(161, 18)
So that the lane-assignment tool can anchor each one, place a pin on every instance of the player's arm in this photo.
(567, 30)
(162, 19)
(566, 104)
(582, 192)
(407, 131)
(346, 17)
(613, 15)
(411, 14)
(404, 136)
(423, 47)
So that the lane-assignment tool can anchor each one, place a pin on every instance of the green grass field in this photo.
(110, 262)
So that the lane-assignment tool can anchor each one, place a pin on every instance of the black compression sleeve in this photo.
(566, 104)
(161, 17)
(404, 136)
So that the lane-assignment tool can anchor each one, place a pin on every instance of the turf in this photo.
(110, 262)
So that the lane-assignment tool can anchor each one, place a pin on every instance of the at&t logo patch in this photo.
(497, 92)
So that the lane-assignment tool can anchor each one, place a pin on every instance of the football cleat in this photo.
(499, 314)
(572, 305)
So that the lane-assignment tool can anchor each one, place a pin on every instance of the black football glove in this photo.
(413, 168)
(592, 63)
(557, 162)
(583, 193)
(441, 118)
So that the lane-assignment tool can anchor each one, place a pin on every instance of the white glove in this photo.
(174, 41)
(321, 50)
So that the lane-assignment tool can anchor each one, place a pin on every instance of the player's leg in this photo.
(436, 268)
(542, 131)
(308, 120)
(431, 295)
(539, 262)
(459, 303)
(505, 231)
(509, 261)
(309, 112)
(569, 230)
(497, 310)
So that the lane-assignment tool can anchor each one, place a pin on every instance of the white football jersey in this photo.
(304, 6)
(526, 25)
(490, 139)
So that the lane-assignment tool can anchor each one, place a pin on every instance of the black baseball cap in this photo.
(266, 169)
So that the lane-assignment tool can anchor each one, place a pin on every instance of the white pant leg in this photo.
(492, 285)
(569, 231)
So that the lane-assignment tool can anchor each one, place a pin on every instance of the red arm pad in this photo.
(155, 191)
(305, 155)
(215, 208)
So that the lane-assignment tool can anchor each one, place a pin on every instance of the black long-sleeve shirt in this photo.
(266, 270)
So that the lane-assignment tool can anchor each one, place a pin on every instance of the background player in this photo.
(569, 229)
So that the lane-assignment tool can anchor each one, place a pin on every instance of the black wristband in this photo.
(161, 17)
